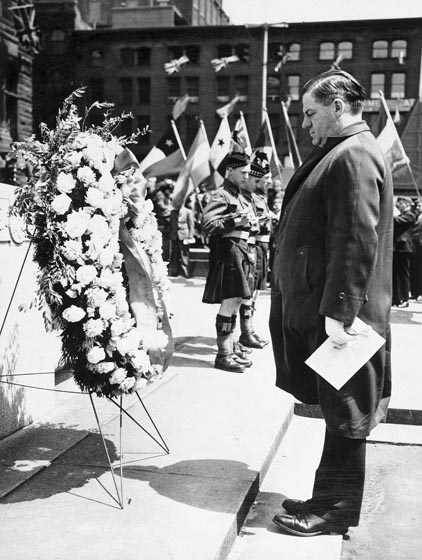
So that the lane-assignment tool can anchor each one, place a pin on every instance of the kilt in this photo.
(229, 270)
(261, 268)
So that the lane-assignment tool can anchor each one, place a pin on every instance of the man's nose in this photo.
(305, 123)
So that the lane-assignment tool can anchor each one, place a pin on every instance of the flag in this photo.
(180, 106)
(240, 138)
(397, 118)
(336, 65)
(195, 169)
(263, 142)
(175, 64)
(165, 158)
(219, 149)
(220, 63)
(294, 154)
(283, 57)
(388, 138)
(225, 110)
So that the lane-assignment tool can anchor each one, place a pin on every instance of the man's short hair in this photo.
(327, 86)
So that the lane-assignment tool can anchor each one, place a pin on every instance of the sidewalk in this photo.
(222, 430)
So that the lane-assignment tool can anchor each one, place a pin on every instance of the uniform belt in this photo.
(252, 240)
(263, 238)
(238, 234)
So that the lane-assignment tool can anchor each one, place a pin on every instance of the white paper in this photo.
(338, 365)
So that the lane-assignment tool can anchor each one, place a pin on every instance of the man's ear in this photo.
(339, 106)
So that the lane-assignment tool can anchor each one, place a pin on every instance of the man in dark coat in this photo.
(227, 220)
(333, 265)
(402, 250)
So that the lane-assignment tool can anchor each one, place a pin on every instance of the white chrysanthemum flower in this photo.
(141, 360)
(106, 257)
(106, 183)
(127, 384)
(107, 310)
(74, 159)
(93, 327)
(86, 274)
(86, 175)
(65, 182)
(117, 376)
(105, 367)
(94, 197)
(77, 223)
(95, 355)
(73, 314)
(99, 227)
(61, 204)
(71, 249)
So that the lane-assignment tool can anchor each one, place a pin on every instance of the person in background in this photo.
(182, 230)
(404, 223)
(332, 266)
(226, 221)
(163, 207)
(416, 259)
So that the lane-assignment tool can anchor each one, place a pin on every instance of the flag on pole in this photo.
(388, 138)
(265, 143)
(294, 154)
(175, 64)
(226, 110)
(180, 106)
(219, 149)
(195, 169)
(165, 158)
(220, 63)
(240, 137)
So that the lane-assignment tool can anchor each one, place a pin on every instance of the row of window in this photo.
(226, 86)
(328, 50)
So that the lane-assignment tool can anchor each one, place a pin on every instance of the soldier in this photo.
(227, 220)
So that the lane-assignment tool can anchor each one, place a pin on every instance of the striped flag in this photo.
(389, 139)
(180, 106)
(219, 149)
(165, 158)
(240, 137)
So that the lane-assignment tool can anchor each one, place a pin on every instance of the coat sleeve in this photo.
(352, 186)
(214, 221)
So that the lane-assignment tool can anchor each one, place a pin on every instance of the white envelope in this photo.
(338, 365)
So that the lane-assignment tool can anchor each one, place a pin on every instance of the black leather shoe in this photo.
(250, 341)
(308, 525)
(260, 339)
(242, 361)
(240, 348)
(296, 506)
(227, 363)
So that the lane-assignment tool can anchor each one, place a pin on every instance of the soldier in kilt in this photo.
(259, 179)
(227, 220)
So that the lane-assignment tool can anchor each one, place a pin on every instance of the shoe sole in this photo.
(302, 534)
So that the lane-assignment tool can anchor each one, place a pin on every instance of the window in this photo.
(192, 87)
(377, 84)
(174, 87)
(398, 85)
(379, 49)
(175, 52)
(143, 125)
(193, 53)
(127, 57)
(143, 56)
(144, 90)
(223, 88)
(345, 49)
(242, 52)
(274, 50)
(126, 94)
(399, 49)
(97, 58)
(294, 51)
(327, 51)
(224, 50)
(96, 90)
(241, 86)
(273, 88)
(57, 42)
(293, 87)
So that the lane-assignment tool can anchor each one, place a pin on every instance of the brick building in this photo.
(124, 64)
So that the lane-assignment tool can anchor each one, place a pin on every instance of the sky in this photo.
(278, 11)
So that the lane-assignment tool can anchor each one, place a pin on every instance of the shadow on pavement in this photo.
(189, 350)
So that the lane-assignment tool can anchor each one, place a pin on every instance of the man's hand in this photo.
(340, 335)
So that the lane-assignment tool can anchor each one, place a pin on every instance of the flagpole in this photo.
(264, 71)
(179, 141)
(293, 139)
(242, 118)
(387, 110)
(270, 133)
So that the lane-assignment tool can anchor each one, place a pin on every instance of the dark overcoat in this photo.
(334, 259)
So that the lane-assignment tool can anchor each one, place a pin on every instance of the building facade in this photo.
(125, 65)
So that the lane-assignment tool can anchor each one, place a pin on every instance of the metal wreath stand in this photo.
(159, 440)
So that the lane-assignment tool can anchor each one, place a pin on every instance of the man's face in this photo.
(320, 120)
(251, 184)
(239, 175)
(402, 205)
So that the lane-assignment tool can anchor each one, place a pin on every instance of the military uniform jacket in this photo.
(334, 258)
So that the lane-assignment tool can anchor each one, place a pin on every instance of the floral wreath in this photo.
(73, 206)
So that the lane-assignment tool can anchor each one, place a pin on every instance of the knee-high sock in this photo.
(246, 324)
(223, 327)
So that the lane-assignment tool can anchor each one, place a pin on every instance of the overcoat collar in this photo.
(316, 156)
